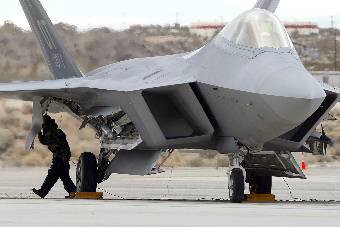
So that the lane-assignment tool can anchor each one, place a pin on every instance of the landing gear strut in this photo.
(236, 183)
(103, 164)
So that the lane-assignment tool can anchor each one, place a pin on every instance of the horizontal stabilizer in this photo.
(270, 5)
(59, 60)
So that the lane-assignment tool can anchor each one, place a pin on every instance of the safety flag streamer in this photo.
(303, 163)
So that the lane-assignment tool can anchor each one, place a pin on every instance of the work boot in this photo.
(38, 193)
(70, 195)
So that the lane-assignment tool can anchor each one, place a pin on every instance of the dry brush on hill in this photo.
(21, 60)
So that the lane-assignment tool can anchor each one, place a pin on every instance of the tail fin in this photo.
(59, 60)
(270, 5)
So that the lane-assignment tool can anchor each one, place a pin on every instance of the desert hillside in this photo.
(21, 60)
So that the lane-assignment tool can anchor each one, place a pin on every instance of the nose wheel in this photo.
(236, 185)
(236, 182)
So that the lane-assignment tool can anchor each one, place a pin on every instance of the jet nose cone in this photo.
(293, 94)
(294, 83)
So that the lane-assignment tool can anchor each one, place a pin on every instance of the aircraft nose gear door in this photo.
(236, 182)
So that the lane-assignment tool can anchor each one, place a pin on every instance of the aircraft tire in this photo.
(87, 173)
(236, 185)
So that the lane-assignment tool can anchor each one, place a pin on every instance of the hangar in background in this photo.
(208, 29)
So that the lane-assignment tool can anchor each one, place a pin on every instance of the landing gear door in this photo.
(279, 164)
(292, 167)
(37, 121)
(134, 162)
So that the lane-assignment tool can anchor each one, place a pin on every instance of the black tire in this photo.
(236, 186)
(261, 184)
(87, 173)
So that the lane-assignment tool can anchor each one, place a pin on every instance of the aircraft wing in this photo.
(74, 88)
(27, 91)
(68, 89)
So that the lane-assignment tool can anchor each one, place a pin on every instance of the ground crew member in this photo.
(55, 139)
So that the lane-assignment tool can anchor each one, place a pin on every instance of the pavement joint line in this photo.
(290, 190)
(190, 200)
(4, 196)
(109, 193)
(30, 196)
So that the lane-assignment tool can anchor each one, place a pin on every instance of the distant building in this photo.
(206, 29)
(302, 28)
(209, 29)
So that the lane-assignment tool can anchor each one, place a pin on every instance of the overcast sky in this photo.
(119, 14)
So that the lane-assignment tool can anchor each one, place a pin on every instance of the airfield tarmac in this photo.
(179, 197)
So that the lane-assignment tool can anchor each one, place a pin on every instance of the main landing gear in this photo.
(86, 174)
(90, 173)
(259, 186)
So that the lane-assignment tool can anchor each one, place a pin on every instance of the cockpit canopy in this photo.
(257, 28)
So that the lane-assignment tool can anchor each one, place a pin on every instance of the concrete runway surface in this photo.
(179, 197)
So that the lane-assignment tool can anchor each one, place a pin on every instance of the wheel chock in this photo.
(260, 198)
(86, 195)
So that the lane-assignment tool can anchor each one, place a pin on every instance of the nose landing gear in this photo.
(236, 186)
(236, 182)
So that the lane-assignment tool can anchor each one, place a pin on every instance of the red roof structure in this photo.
(302, 26)
(287, 25)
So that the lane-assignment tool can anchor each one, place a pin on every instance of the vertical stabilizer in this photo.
(270, 5)
(59, 60)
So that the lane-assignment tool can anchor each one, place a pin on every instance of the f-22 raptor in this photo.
(245, 93)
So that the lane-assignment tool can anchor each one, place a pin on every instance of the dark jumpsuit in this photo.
(56, 141)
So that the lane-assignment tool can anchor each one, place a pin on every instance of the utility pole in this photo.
(177, 24)
(335, 44)
(177, 19)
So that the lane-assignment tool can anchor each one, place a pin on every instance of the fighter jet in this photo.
(245, 93)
